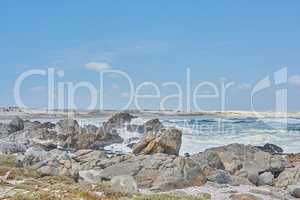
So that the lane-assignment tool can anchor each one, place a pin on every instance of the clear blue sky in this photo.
(242, 41)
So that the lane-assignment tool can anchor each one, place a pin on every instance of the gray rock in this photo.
(89, 176)
(153, 125)
(249, 159)
(290, 176)
(118, 120)
(220, 177)
(295, 192)
(271, 148)
(209, 159)
(266, 178)
(158, 171)
(124, 184)
(16, 124)
(11, 147)
(71, 136)
(166, 141)
(59, 163)
(253, 178)
(34, 155)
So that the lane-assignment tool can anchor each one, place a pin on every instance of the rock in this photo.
(34, 155)
(209, 159)
(295, 192)
(290, 176)
(153, 125)
(158, 171)
(253, 178)
(266, 178)
(11, 147)
(16, 124)
(271, 148)
(40, 135)
(294, 158)
(88, 159)
(59, 163)
(248, 159)
(124, 184)
(71, 136)
(118, 120)
(165, 141)
(220, 177)
(135, 128)
(244, 197)
(89, 176)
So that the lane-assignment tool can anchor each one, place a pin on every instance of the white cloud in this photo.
(294, 80)
(97, 66)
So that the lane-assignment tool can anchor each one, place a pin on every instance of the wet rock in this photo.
(266, 178)
(135, 128)
(153, 125)
(118, 120)
(166, 141)
(124, 184)
(271, 148)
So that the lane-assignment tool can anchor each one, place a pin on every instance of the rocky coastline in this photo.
(66, 161)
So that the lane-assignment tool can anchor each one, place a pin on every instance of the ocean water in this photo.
(203, 132)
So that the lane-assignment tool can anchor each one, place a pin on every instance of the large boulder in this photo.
(34, 155)
(124, 184)
(158, 171)
(15, 125)
(150, 125)
(71, 135)
(58, 163)
(118, 120)
(249, 161)
(166, 141)
(36, 134)
(290, 176)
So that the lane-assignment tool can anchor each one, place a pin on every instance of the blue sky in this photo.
(241, 41)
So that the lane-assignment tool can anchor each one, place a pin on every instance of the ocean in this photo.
(207, 131)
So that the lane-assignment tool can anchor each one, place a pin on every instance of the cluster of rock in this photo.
(67, 149)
